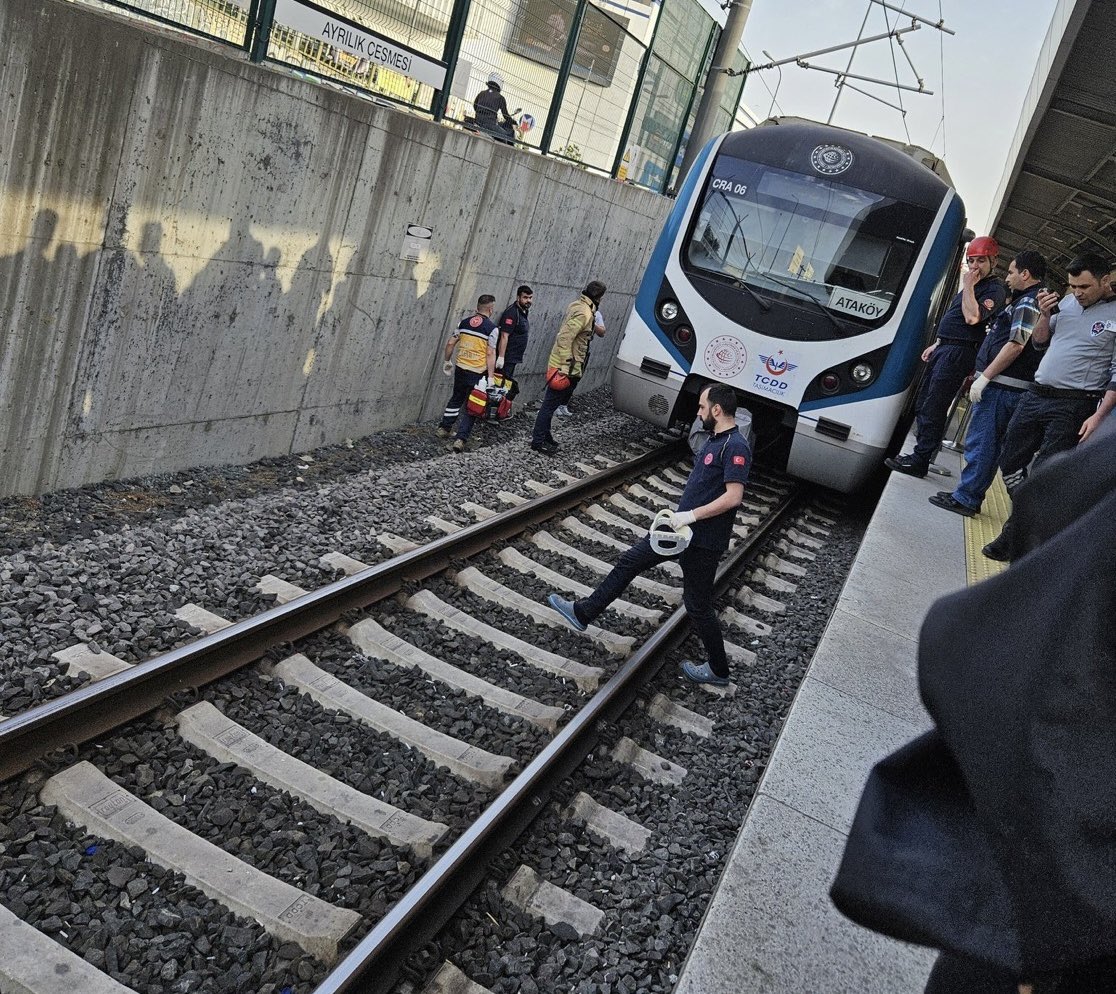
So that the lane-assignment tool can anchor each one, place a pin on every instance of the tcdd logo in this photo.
(777, 364)
(770, 381)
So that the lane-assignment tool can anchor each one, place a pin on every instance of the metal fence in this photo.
(612, 85)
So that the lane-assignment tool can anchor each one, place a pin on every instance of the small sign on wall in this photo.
(416, 243)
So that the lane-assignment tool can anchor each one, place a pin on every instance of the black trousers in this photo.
(699, 570)
(949, 364)
(463, 382)
(1040, 428)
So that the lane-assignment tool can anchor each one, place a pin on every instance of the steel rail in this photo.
(99, 707)
(373, 965)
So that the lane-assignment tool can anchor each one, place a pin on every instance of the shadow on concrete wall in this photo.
(228, 367)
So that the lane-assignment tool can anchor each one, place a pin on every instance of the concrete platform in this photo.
(770, 928)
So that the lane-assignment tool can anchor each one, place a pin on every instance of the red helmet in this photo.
(984, 245)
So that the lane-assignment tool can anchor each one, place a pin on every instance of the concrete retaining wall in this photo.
(200, 258)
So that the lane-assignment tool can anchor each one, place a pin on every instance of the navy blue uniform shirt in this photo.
(725, 458)
(990, 295)
(515, 324)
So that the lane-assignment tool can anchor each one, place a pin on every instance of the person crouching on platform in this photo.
(566, 362)
(707, 507)
(475, 340)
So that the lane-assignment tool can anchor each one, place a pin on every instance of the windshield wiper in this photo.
(736, 283)
(765, 305)
(803, 295)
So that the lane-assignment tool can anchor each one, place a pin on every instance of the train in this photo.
(806, 266)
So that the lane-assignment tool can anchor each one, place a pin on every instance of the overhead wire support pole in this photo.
(841, 74)
(940, 25)
(852, 55)
(907, 56)
(872, 96)
(833, 48)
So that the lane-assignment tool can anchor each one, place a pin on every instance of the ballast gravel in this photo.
(653, 901)
(141, 924)
(109, 565)
(413, 693)
(562, 641)
(489, 662)
(346, 749)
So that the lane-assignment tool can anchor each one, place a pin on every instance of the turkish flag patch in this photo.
(739, 461)
(508, 321)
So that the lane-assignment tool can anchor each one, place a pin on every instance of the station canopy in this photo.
(1058, 194)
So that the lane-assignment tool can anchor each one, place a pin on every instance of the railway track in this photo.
(313, 813)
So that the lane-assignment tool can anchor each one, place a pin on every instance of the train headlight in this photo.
(830, 382)
(683, 335)
(668, 310)
(863, 374)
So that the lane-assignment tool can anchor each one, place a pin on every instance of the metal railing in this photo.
(610, 85)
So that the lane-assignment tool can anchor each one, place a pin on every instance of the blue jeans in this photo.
(984, 442)
(699, 570)
(949, 364)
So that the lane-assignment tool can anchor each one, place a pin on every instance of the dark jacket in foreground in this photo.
(994, 836)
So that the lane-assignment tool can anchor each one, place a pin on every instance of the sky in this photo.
(981, 75)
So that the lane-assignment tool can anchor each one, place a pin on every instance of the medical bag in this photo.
(500, 396)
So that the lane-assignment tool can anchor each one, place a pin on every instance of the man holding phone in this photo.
(1076, 371)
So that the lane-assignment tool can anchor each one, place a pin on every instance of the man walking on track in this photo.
(707, 508)
(566, 363)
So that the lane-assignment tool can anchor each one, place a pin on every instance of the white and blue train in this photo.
(805, 266)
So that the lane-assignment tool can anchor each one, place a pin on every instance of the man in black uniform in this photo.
(1006, 364)
(953, 355)
(488, 104)
(514, 329)
(708, 505)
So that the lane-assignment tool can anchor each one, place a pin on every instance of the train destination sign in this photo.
(861, 305)
(317, 23)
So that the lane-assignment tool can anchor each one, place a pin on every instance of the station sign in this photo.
(357, 41)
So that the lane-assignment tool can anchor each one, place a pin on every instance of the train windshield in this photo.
(843, 250)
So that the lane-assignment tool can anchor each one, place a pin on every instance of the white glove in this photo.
(447, 368)
(976, 391)
(500, 362)
(679, 519)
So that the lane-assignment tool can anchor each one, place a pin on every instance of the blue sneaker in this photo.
(566, 609)
(703, 674)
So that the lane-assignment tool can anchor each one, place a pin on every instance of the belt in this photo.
(1045, 391)
(960, 341)
(1011, 383)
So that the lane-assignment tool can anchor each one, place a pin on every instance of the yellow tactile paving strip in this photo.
(979, 531)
